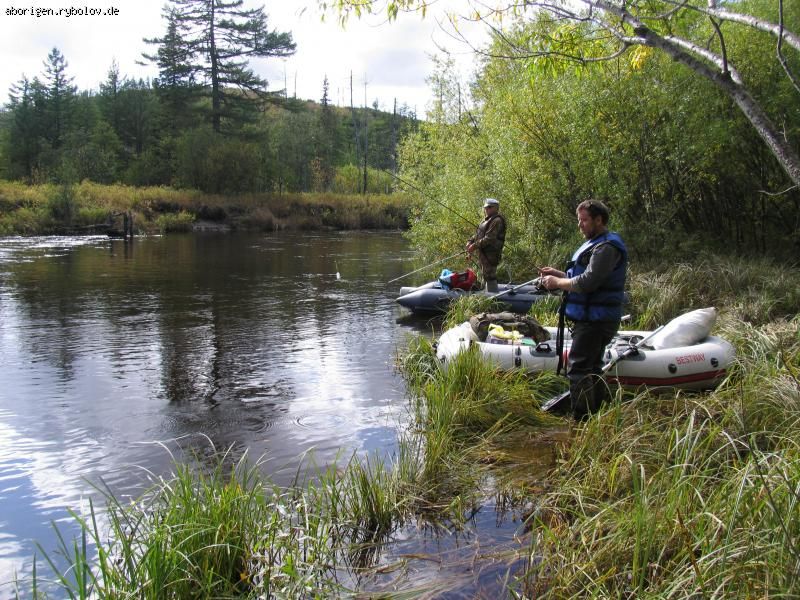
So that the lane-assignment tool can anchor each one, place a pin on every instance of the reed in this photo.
(465, 413)
(752, 290)
(47, 208)
(466, 306)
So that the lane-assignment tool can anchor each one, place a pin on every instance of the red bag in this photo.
(460, 281)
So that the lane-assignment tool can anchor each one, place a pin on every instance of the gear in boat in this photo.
(682, 354)
(436, 296)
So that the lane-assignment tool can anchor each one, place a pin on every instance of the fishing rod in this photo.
(426, 266)
(630, 351)
(429, 197)
(513, 289)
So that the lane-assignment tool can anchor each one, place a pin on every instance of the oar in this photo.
(426, 266)
(556, 400)
(515, 288)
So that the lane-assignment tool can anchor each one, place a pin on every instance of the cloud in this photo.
(393, 58)
(89, 43)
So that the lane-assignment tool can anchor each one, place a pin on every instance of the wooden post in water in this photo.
(127, 225)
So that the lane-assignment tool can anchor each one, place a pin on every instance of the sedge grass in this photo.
(48, 208)
(686, 495)
(689, 495)
(465, 411)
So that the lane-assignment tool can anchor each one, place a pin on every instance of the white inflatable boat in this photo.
(695, 366)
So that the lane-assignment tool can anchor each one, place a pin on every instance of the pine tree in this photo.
(176, 84)
(59, 96)
(326, 139)
(138, 115)
(26, 127)
(109, 99)
(213, 40)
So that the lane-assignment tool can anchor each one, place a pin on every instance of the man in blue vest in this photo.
(488, 242)
(594, 286)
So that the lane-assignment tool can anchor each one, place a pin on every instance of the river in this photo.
(116, 356)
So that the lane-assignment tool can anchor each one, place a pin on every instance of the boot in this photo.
(491, 286)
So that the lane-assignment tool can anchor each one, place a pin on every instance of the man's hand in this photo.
(552, 282)
(551, 271)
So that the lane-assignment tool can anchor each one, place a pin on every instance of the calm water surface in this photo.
(111, 352)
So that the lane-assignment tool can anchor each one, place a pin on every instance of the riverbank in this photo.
(92, 208)
(678, 495)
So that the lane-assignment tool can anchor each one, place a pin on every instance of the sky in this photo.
(394, 59)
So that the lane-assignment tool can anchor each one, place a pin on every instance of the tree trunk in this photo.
(216, 120)
(782, 150)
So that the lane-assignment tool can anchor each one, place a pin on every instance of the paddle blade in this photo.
(555, 402)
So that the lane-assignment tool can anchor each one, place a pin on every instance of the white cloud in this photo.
(394, 58)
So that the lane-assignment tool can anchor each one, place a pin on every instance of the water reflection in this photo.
(116, 355)
(250, 340)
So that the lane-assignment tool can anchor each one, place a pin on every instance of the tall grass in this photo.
(752, 290)
(46, 208)
(465, 414)
(688, 495)
(227, 532)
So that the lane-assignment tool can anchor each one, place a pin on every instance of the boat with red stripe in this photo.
(698, 366)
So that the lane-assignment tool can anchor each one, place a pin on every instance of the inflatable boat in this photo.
(433, 297)
(697, 366)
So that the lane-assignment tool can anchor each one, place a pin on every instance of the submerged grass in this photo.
(683, 495)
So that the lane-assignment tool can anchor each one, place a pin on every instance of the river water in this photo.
(116, 355)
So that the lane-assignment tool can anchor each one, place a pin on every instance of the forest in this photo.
(566, 107)
(685, 122)
(206, 122)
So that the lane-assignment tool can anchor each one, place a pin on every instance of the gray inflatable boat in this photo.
(433, 297)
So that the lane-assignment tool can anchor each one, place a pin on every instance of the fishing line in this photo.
(429, 197)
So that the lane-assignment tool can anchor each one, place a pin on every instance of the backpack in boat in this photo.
(527, 326)
(464, 280)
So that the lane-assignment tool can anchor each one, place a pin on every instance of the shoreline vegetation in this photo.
(92, 208)
(679, 495)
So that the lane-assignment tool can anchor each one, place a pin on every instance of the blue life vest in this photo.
(604, 303)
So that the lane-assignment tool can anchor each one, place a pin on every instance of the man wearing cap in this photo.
(488, 242)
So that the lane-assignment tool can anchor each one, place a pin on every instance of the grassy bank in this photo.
(688, 495)
(94, 208)
(684, 495)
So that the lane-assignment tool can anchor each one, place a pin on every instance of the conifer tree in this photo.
(326, 140)
(109, 99)
(176, 84)
(25, 127)
(210, 42)
(59, 97)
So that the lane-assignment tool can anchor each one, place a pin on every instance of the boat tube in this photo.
(699, 366)
(433, 297)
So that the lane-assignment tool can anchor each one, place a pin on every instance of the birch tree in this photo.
(668, 26)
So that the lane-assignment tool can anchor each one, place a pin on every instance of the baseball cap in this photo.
(490, 202)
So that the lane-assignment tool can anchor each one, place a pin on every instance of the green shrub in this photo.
(175, 223)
